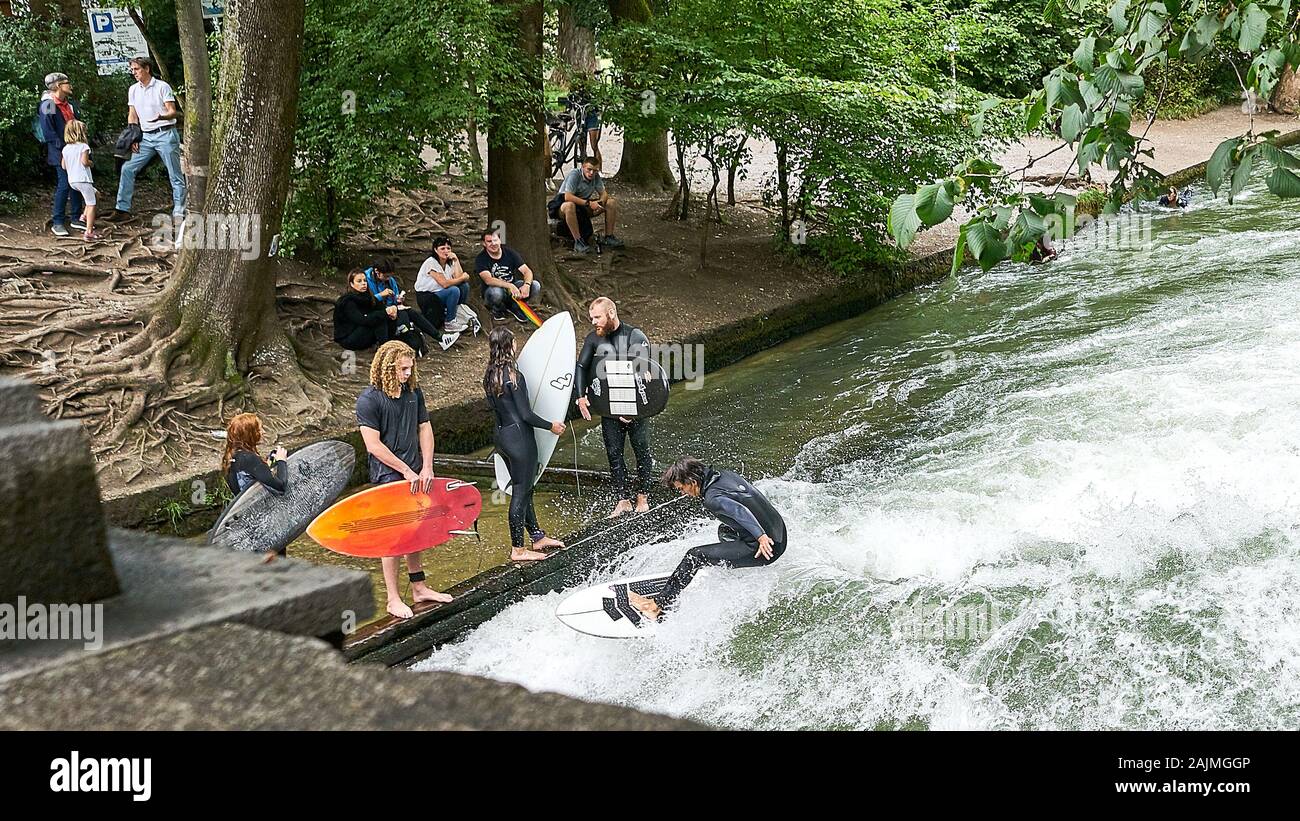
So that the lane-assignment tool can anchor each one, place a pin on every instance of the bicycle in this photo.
(567, 134)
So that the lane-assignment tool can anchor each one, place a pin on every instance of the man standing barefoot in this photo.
(395, 426)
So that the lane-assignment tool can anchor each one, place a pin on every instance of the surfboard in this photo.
(259, 520)
(547, 363)
(631, 388)
(390, 520)
(603, 609)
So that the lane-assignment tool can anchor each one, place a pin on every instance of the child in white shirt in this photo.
(76, 161)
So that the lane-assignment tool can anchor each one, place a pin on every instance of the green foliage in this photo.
(856, 95)
(1006, 46)
(1090, 101)
(30, 49)
(381, 83)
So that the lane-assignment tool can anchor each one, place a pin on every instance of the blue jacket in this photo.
(52, 124)
(378, 283)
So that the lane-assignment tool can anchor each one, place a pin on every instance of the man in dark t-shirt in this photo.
(505, 275)
(395, 427)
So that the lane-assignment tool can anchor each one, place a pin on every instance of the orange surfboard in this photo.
(390, 520)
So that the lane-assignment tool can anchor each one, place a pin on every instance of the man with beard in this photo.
(614, 340)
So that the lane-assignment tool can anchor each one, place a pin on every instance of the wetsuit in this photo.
(623, 343)
(745, 514)
(1181, 202)
(247, 469)
(518, 447)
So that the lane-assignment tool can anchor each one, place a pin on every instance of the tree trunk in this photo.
(198, 102)
(516, 173)
(783, 189)
(471, 135)
(153, 51)
(575, 46)
(645, 162)
(732, 168)
(1286, 96)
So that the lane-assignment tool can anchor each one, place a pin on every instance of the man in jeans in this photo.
(56, 110)
(505, 278)
(151, 104)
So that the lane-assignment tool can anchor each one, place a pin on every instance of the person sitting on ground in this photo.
(1172, 199)
(582, 196)
(505, 278)
(76, 164)
(752, 533)
(55, 110)
(361, 320)
(407, 322)
(243, 467)
(395, 428)
(442, 289)
(507, 396)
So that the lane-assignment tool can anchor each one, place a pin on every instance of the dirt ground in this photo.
(656, 281)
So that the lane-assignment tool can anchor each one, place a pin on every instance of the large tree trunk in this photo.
(645, 162)
(575, 46)
(198, 101)
(471, 134)
(217, 321)
(517, 172)
(1286, 96)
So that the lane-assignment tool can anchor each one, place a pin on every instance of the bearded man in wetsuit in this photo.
(615, 340)
(752, 533)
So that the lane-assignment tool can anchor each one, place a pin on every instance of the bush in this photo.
(1193, 88)
(30, 49)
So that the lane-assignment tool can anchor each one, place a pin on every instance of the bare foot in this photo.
(647, 606)
(642, 504)
(547, 543)
(422, 592)
(268, 557)
(399, 609)
(518, 554)
(623, 506)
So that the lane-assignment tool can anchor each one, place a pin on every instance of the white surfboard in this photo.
(603, 610)
(547, 362)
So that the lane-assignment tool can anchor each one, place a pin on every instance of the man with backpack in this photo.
(55, 110)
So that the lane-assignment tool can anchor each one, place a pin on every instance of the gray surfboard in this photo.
(259, 520)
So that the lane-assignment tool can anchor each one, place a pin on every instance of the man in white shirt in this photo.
(152, 104)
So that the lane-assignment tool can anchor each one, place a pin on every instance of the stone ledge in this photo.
(169, 586)
(201, 679)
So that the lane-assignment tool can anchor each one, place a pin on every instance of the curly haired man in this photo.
(395, 426)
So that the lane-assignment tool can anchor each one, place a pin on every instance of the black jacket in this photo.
(742, 507)
(129, 137)
(354, 310)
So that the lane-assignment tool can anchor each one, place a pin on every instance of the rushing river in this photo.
(1057, 496)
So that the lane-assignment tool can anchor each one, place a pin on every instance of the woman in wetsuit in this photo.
(244, 468)
(507, 395)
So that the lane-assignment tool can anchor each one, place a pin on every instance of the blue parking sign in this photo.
(101, 23)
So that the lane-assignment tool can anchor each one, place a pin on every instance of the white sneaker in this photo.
(448, 339)
(456, 326)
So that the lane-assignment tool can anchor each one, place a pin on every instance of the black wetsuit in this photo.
(517, 445)
(623, 343)
(745, 514)
(247, 469)
(1181, 202)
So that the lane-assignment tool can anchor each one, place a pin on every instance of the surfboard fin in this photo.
(473, 532)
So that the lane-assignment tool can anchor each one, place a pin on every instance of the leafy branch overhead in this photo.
(1095, 101)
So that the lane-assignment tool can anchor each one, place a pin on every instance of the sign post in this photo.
(116, 39)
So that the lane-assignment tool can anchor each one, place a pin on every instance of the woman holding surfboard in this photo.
(507, 395)
(244, 468)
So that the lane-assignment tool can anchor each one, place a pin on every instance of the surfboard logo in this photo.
(563, 381)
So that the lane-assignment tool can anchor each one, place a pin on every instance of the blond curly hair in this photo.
(383, 369)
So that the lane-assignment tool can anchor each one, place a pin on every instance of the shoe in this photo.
(448, 339)
(59, 230)
(455, 326)
(580, 247)
(498, 316)
(91, 236)
(116, 216)
(77, 224)
(612, 241)
(517, 314)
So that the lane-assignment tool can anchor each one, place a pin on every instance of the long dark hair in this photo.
(501, 361)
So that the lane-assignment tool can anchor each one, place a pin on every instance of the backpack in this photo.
(407, 332)
(38, 124)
